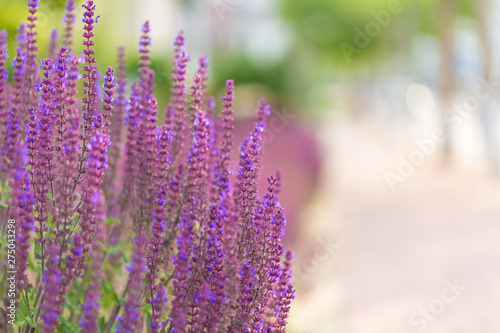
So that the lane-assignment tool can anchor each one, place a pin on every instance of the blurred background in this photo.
(385, 125)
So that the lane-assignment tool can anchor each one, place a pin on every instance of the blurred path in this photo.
(425, 258)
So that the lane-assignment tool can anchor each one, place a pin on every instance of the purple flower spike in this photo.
(156, 241)
(131, 320)
(214, 272)
(285, 295)
(22, 201)
(109, 86)
(117, 124)
(4, 98)
(155, 248)
(54, 38)
(96, 164)
(147, 151)
(51, 281)
(144, 49)
(29, 95)
(90, 307)
(250, 155)
(43, 171)
(178, 100)
(203, 71)
(12, 117)
(192, 215)
(69, 23)
(157, 306)
(226, 121)
(68, 147)
(127, 196)
(93, 295)
(180, 305)
(89, 100)
(60, 100)
(3, 39)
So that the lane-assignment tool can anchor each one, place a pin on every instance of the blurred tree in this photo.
(358, 37)
(326, 25)
(488, 113)
(447, 10)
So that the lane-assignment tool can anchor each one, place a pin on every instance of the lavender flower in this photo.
(144, 51)
(250, 155)
(157, 305)
(158, 227)
(29, 95)
(270, 222)
(153, 258)
(180, 304)
(206, 239)
(146, 151)
(89, 82)
(51, 280)
(54, 38)
(127, 200)
(224, 192)
(59, 101)
(4, 76)
(179, 99)
(131, 320)
(214, 272)
(22, 202)
(13, 117)
(92, 297)
(184, 283)
(68, 151)
(285, 296)
(117, 124)
(43, 162)
(96, 164)
(203, 72)
(90, 307)
(69, 22)
(250, 270)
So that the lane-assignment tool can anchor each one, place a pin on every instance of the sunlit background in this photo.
(385, 124)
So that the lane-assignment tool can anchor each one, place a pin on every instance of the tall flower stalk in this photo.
(89, 83)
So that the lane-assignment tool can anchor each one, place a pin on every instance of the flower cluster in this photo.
(125, 223)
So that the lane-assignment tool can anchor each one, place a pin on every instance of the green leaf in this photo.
(28, 320)
(50, 235)
(125, 258)
(49, 222)
(73, 302)
(145, 308)
(31, 264)
(67, 327)
(5, 191)
(38, 261)
(111, 221)
(102, 323)
(38, 250)
(148, 317)
(110, 291)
